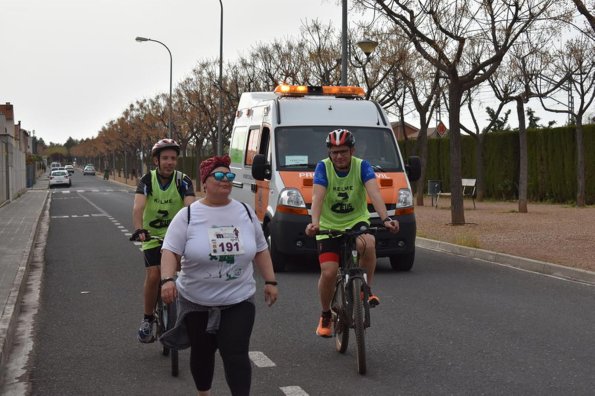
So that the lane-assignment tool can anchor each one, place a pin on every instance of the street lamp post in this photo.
(367, 46)
(344, 54)
(170, 123)
(220, 108)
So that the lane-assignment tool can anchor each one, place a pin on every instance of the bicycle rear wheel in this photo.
(358, 320)
(340, 318)
(172, 315)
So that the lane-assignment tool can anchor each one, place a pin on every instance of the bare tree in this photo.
(423, 84)
(582, 8)
(466, 40)
(576, 62)
(320, 43)
(514, 82)
(478, 134)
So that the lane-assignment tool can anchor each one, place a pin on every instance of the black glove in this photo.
(136, 235)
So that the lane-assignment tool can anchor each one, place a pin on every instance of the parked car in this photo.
(89, 170)
(69, 168)
(58, 177)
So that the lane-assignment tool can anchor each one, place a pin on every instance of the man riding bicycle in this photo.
(160, 194)
(339, 202)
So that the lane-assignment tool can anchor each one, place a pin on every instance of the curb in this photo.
(9, 317)
(508, 260)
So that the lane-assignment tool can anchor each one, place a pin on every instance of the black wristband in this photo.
(165, 280)
(272, 283)
(387, 219)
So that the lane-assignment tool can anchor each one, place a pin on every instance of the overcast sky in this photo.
(70, 66)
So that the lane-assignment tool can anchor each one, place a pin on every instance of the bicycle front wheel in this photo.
(172, 315)
(161, 318)
(340, 317)
(358, 321)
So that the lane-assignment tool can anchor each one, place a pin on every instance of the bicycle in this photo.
(349, 306)
(165, 318)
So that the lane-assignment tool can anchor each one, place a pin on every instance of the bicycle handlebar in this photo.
(352, 232)
(135, 236)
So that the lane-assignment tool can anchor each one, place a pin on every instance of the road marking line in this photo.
(293, 391)
(77, 216)
(260, 359)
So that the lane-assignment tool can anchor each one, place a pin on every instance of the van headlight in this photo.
(405, 198)
(291, 197)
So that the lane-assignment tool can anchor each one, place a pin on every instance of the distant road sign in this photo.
(441, 129)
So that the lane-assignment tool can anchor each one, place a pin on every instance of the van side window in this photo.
(253, 147)
(238, 144)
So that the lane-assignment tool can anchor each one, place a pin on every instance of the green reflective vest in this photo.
(345, 203)
(160, 209)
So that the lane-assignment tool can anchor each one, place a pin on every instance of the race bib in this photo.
(225, 241)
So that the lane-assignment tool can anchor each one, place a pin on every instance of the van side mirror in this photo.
(260, 169)
(413, 168)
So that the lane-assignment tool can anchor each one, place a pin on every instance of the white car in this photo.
(58, 177)
(89, 170)
(69, 168)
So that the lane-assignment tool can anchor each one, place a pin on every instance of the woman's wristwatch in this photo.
(165, 280)
(272, 283)
(388, 218)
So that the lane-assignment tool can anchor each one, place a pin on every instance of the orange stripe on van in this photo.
(389, 183)
(292, 210)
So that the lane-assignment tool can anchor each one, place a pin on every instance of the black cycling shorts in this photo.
(329, 248)
(152, 256)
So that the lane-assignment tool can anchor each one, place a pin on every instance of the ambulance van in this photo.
(277, 140)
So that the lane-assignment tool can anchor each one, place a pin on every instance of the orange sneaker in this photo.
(324, 327)
(373, 300)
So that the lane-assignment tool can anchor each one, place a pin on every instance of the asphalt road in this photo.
(452, 325)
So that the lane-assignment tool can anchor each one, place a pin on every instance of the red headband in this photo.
(207, 166)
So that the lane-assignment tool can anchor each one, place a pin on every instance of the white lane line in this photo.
(77, 216)
(260, 359)
(293, 391)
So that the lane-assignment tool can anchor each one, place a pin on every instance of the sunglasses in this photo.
(337, 153)
(220, 175)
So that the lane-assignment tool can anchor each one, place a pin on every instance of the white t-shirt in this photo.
(209, 276)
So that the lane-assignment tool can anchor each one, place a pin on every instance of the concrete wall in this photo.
(14, 145)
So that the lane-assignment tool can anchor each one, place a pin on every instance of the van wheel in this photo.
(279, 259)
(402, 262)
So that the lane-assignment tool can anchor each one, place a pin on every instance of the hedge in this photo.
(551, 163)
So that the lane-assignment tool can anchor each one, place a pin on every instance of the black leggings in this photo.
(233, 341)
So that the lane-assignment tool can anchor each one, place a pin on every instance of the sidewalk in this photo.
(18, 230)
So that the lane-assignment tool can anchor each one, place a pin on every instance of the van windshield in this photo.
(302, 147)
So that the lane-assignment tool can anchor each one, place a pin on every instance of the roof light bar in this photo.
(331, 90)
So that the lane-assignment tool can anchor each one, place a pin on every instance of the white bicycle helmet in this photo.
(164, 144)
